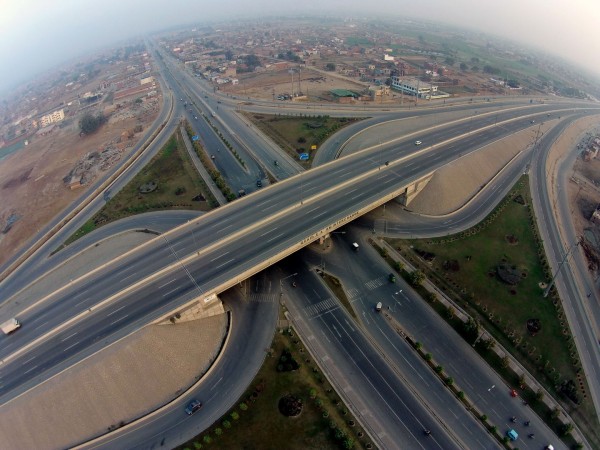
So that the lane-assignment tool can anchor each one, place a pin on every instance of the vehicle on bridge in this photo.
(10, 325)
(512, 435)
(193, 406)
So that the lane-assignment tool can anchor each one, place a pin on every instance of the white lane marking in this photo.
(275, 237)
(215, 385)
(267, 232)
(68, 337)
(225, 263)
(170, 292)
(29, 360)
(168, 282)
(220, 256)
(129, 276)
(34, 367)
(116, 310)
(40, 326)
(70, 346)
(118, 320)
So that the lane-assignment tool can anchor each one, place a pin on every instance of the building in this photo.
(418, 88)
(54, 117)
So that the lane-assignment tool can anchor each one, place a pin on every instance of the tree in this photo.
(463, 66)
(312, 393)
(227, 424)
(348, 443)
(416, 278)
(90, 123)
(235, 415)
(475, 69)
(449, 61)
(243, 406)
(218, 431)
(228, 55)
(330, 67)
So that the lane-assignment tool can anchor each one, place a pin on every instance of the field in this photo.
(169, 181)
(257, 423)
(297, 135)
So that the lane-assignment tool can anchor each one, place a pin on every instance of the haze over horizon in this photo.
(38, 36)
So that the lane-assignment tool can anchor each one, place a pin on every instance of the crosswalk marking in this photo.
(262, 298)
(374, 284)
(317, 308)
(353, 294)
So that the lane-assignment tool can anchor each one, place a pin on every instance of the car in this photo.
(513, 393)
(212, 156)
(533, 121)
(196, 117)
(549, 447)
(378, 306)
(512, 435)
(193, 407)
(392, 278)
(418, 142)
(258, 183)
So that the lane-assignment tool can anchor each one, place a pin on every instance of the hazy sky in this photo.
(40, 34)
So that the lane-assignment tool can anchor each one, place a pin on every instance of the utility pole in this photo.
(547, 291)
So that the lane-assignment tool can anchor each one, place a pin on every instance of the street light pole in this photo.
(281, 283)
(547, 291)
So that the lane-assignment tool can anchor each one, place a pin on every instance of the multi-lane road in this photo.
(214, 251)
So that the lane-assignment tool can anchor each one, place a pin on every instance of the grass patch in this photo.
(334, 284)
(466, 267)
(256, 421)
(297, 134)
(178, 186)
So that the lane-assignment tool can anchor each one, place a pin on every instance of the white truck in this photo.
(10, 325)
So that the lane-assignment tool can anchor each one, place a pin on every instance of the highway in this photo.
(231, 240)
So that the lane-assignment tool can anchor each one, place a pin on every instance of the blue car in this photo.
(512, 435)
(193, 406)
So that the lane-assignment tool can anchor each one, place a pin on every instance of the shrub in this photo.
(243, 406)
(235, 415)
(227, 424)
(207, 439)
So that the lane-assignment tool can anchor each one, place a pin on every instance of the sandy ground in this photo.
(456, 183)
(313, 83)
(31, 179)
(131, 378)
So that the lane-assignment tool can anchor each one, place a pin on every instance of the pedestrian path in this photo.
(318, 308)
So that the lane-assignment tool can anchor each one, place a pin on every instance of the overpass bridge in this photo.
(206, 256)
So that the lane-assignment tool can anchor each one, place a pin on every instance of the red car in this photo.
(513, 393)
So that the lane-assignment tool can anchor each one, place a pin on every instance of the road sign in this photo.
(303, 156)
(195, 137)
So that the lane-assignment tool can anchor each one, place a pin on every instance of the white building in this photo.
(54, 117)
(412, 86)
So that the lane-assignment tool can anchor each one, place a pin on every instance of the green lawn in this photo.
(296, 134)
(178, 183)
(262, 426)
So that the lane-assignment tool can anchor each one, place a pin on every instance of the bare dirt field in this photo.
(268, 85)
(456, 183)
(31, 180)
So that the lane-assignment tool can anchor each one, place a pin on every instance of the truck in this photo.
(10, 325)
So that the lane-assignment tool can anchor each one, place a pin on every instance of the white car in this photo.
(418, 142)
